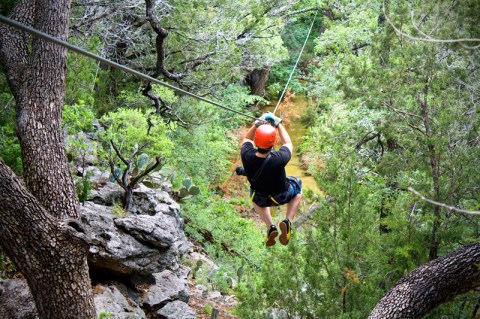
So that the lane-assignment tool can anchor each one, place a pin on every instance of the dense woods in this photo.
(392, 139)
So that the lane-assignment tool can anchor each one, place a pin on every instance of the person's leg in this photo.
(272, 231)
(264, 213)
(286, 225)
(292, 206)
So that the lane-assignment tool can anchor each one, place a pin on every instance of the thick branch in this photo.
(432, 284)
(162, 34)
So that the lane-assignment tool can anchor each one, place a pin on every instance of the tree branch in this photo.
(431, 285)
(158, 161)
(428, 39)
(448, 207)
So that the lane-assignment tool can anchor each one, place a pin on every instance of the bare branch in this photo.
(301, 11)
(448, 207)
(127, 170)
(112, 170)
(428, 39)
(408, 114)
(158, 161)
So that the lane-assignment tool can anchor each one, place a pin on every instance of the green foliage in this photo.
(204, 152)
(104, 315)
(7, 6)
(130, 133)
(83, 187)
(78, 118)
(188, 189)
(9, 145)
(119, 210)
(7, 268)
(293, 36)
(82, 74)
(210, 212)
(208, 309)
(389, 108)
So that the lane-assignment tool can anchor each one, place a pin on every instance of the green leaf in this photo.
(142, 160)
(187, 182)
(194, 190)
(183, 192)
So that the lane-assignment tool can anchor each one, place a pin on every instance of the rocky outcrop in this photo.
(134, 258)
(136, 243)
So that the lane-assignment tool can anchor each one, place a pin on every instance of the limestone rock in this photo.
(110, 300)
(16, 301)
(168, 286)
(147, 240)
(176, 310)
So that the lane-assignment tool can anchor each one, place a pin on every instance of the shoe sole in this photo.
(271, 238)
(283, 237)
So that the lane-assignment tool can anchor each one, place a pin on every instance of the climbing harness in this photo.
(296, 63)
(98, 58)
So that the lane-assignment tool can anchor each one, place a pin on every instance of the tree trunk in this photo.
(53, 257)
(257, 80)
(435, 166)
(432, 284)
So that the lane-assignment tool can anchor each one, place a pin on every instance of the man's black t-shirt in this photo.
(273, 179)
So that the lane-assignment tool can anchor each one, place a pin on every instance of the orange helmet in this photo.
(265, 136)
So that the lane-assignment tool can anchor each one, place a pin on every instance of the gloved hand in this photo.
(272, 119)
(261, 120)
(240, 171)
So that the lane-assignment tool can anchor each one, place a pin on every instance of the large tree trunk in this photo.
(257, 80)
(432, 284)
(50, 254)
(53, 260)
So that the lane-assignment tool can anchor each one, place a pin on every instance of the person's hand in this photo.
(261, 120)
(272, 119)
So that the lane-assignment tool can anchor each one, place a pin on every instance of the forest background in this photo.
(388, 113)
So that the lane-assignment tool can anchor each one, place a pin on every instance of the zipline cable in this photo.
(74, 48)
(296, 63)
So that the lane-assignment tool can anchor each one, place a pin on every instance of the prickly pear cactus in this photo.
(188, 188)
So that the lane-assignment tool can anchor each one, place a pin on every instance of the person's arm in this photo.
(250, 134)
(287, 142)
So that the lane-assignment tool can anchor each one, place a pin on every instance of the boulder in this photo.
(133, 258)
(108, 194)
(168, 286)
(147, 240)
(16, 301)
(176, 310)
(111, 301)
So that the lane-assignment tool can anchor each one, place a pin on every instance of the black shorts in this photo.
(294, 188)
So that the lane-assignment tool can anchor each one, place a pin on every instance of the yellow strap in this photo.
(251, 197)
(273, 200)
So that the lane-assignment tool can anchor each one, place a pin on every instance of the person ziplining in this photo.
(265, 171)
(265, 168)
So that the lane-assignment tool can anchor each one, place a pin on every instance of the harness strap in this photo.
(273, 200)
(259, 172)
